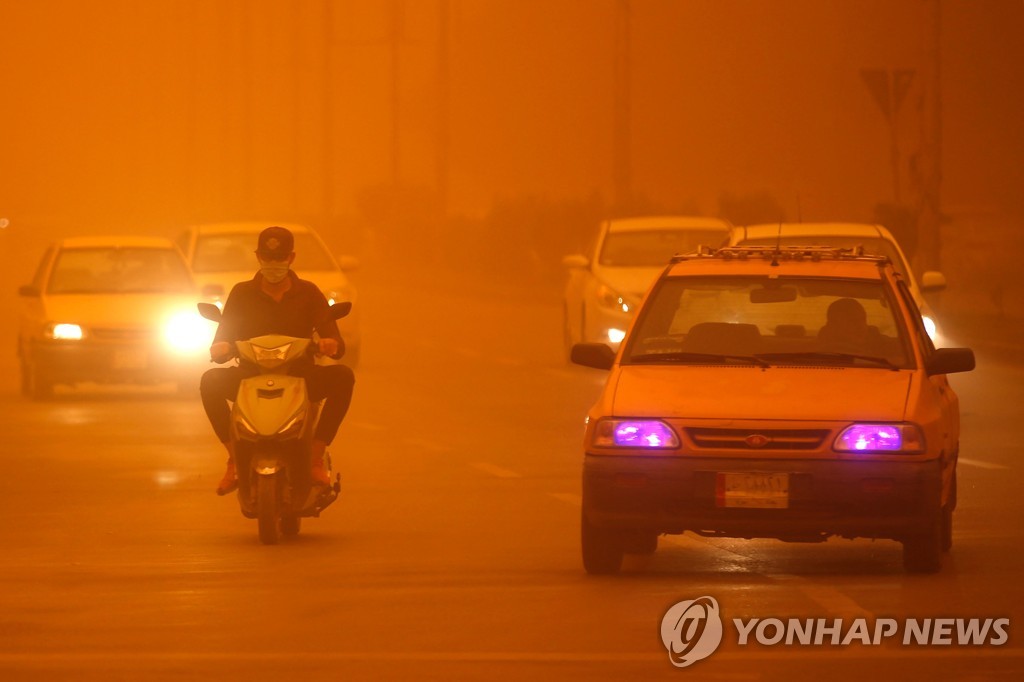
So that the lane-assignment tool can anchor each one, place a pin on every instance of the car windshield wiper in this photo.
(682, 356)
(817, 356)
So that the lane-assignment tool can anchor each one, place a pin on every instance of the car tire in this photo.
(947, 518)
(922, 551)
(34, 383)
(602, 548)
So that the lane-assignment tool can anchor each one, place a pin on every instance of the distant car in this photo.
(874, 238)
(223, 254)
(117, 309)
(606, 285)
(788, 393)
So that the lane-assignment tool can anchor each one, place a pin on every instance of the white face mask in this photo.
(274, 271)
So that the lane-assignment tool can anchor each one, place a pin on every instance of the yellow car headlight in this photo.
(187, 332)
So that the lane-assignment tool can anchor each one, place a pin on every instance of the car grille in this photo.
(758, 439)
(122, 335)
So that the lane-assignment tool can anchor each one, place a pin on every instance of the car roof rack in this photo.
(786, 252)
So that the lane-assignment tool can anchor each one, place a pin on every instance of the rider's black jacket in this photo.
(250, 312)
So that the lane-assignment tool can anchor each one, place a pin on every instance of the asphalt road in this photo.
(453, 552)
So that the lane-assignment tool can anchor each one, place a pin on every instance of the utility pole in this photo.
(621, 179)
(443, 93)
(397, 20)
(889, 88)
(327, 94)
(930, 210)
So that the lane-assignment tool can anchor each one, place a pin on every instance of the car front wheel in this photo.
(602, 548)
(922, 551)
(34, 383)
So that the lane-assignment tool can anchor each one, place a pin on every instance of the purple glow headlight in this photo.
(635, 433)
(880, 438)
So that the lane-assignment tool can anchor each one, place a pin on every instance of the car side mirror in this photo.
(348, 263)
(340, 310)
(950, 361)
(576, 260)
(209, 311)
(28, 290)
(596, 355)
(933, 281)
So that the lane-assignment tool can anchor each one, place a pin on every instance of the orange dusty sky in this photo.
(124, 112)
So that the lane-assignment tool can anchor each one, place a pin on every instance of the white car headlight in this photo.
(609, 298)
(66, 331)
(187, 332)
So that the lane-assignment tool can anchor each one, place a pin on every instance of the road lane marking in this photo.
(495, 470)
(981, 465)
(575, 499)
(426, 445)
(366, 426)
(834, 601)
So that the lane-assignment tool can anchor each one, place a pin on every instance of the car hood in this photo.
(117, 310)
(738, 392)
(632, 281)
(325, 280)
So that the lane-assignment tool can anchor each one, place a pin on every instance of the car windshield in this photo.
(780, 321)
(119, 270)
(236, 251)
(652, 248)
(874, 245)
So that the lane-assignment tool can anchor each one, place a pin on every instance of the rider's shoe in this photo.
(230, 481)
(318, 470)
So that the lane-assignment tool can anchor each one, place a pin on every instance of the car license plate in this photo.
(752, 490)
(130, 359)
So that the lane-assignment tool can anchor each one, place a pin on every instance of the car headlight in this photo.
(930, 327)
(634, 433)
(880, 439)
(610, 298)
(65, 331)
(187, 332)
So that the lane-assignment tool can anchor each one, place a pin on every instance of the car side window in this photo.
(916, 323)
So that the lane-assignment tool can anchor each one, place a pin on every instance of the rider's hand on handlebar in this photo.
(328, 346)
(221, 351)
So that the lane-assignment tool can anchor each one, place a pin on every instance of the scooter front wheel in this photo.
(267, 508)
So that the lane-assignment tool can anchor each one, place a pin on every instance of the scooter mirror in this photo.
(340, 310)
(209, 311)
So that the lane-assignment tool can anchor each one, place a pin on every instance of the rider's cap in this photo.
(275, 243)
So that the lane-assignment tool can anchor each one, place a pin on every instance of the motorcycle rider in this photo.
(276, 301)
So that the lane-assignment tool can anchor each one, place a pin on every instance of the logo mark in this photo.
(757, 440)
(691, 630)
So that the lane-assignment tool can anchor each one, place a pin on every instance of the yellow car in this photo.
(792, 394)
(116, 309)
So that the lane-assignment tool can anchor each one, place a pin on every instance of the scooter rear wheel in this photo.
(267, 514)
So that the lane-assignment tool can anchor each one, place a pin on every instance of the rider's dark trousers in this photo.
(333, 384)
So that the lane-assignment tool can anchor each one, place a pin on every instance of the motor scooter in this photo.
(272, 425)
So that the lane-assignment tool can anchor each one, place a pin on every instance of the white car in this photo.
(606, 285)
(874, 238)
(223, 254)
(118, 309)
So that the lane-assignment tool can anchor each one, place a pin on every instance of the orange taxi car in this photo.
(781, 392)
